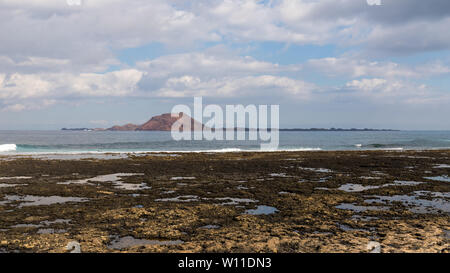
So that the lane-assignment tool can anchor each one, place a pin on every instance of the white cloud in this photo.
(14, 108)
(219, 73)
(208, 64)
(355, 68)
(89, 33)
(117, 83)
(367, 85)
(52, 51)
(21, 91)
(396, 92)
(413, 37)
(23, 86)
(256, 86)
(28, 105)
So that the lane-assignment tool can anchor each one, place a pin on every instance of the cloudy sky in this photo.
(327, 63)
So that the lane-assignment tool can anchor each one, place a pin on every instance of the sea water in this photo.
(67, 142)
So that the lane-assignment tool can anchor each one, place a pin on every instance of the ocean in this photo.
(78, 142)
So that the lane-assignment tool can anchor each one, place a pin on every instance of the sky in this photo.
(327, 63)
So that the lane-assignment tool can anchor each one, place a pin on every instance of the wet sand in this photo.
(228, 202)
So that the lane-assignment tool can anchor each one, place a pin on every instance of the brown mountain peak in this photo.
(162, 122)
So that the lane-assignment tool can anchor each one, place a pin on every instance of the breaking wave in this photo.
(7, 147)
(57, 149)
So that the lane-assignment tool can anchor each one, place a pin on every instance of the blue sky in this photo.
(327, 63)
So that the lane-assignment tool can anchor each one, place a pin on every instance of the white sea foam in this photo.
(393, 149)
(7, 147)
(224, 150)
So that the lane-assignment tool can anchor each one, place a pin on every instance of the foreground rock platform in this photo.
(346, 201)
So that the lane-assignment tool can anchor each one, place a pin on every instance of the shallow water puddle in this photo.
(433, 194)
(369, 177)
(50, 231)
(360, 188)
(442, 166)
(210, 227)
(11, 185)
(280, 175)
(404, 183)
(129, 241)
(31, 200)
(116, 179)
(353, 207)
(319, 170)
(136, 195)
(131, 187)
(446, 234)
(322, 188)
(379, 173)
(364, 218)
(319, 232)
(348, 228)
(15, 177)
(235, 201)
(26, 226)
(415, 204)
(183, 198)
(182, 178)
(442, 178)
(356, 188)
(57, 221)
(195, 198)
(262, 210)
(322, 179)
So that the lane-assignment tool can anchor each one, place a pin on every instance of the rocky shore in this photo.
(359, 201)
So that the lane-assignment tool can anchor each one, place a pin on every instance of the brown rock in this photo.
(126, 127)
(162, 122)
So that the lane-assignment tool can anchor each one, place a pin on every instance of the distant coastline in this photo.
(83, 129)
(164, 122)
(339, 130)
(248, 129)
